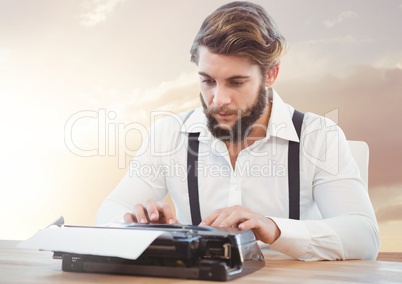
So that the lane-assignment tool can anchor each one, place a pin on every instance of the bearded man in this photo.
(238, 149)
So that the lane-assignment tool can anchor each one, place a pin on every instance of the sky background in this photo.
(79, 81)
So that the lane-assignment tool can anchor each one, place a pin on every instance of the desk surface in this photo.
(29, 266)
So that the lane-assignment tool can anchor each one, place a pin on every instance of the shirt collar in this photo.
(195, 122)
(280, 122)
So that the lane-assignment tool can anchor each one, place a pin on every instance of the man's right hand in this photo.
(153, 212)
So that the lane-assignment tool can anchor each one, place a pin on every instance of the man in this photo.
(244, 131)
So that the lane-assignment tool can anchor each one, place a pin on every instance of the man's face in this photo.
(232, 93)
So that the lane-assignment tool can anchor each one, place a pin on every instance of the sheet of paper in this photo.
(118, 242)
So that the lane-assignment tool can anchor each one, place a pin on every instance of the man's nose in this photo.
(221, 96)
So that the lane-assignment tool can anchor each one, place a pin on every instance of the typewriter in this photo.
(192, 252)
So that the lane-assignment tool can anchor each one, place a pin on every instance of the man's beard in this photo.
(243, 125)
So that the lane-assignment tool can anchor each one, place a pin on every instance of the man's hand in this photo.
(153, 212)
(243, 218)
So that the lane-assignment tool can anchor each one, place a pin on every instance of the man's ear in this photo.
(272, 74)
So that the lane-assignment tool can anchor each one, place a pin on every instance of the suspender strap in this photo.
(293, 173)
(192, 177)
(294, 169)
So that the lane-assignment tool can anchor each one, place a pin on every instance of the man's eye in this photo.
(208, 81)
(237, 83)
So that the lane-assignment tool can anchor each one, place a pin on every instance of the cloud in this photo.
(366, 99)
(136, 106)
(389, 59)
(329, 23)
(332, 55)
(343, 40)
(392, 212)
(383, 196)
(177, 96)
(97, 11)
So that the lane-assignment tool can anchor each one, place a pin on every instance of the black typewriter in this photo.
(192, 252)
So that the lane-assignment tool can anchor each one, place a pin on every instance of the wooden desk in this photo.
(27, 266)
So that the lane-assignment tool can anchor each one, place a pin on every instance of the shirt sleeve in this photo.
(142, 182)
(348, 229)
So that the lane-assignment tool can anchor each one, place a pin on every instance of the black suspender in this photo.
(294, 169)
(293, 173)
(192, 177)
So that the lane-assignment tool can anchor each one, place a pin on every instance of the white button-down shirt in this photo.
(337, 220)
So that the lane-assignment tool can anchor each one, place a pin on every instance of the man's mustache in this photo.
(222, 110)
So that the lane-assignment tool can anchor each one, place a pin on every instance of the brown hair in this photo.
(241, 29)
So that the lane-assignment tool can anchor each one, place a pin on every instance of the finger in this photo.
(140, 214)
(220, 219)
(128, 218)
(259, 231)
(152, 210)
(264, 229)
(211, 218)
(231, 216)
(167, 212)
(235, 218)
(249, 224)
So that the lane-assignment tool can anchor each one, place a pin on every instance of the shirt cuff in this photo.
(294, 239)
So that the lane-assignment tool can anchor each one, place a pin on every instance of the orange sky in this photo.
(127, 58)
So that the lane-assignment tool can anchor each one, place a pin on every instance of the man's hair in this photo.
(241, 29)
